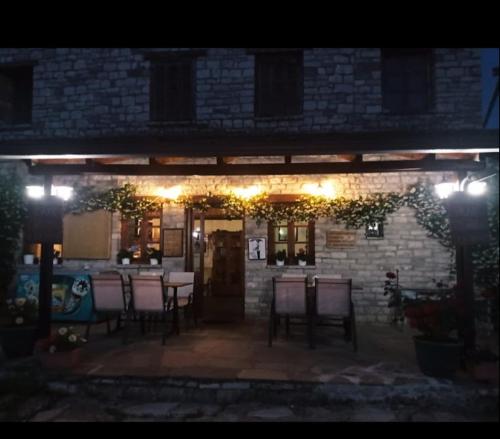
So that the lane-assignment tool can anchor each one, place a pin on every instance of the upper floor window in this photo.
(279, 83)
(172, 96)
(407, 80)
(295, 239)
(16, 94)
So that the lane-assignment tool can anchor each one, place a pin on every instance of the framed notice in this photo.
(173, 243)
(256, 249)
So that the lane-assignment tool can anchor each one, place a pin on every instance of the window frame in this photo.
(270, 103)
(404, 74)
(291, 258)
(21, 112)
(159, 110)
(143, 238)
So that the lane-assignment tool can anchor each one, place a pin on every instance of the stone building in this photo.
(360, 120)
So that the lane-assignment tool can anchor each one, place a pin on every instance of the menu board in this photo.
(340, 239)
(173, 242)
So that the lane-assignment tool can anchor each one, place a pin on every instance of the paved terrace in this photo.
(228, 373)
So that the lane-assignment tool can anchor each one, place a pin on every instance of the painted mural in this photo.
(71, 295)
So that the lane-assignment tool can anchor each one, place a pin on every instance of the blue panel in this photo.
(71, 294)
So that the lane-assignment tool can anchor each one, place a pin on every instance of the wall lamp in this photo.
(64, 192)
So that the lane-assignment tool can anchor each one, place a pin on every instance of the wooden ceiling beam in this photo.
(264, 169)
(377, 142)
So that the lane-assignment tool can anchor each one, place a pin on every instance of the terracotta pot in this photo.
(61, 360)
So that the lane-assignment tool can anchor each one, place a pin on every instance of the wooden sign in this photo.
(44, 222)
(173, 243)
(340, 239)
(468, 217)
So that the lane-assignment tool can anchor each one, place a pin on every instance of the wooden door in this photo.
(225, 301)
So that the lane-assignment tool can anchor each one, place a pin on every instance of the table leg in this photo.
(176, 312)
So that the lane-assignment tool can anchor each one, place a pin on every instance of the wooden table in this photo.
(174, 286)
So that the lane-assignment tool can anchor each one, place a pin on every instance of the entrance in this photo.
(218, 254)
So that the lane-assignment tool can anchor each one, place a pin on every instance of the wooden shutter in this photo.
(172, 89)
(279, 84)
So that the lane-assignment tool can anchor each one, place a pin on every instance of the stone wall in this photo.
(82, 92)
(405, 245)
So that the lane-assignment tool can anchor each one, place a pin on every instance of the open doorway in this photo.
(218, 258)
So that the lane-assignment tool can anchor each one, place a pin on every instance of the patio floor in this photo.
(239, 351)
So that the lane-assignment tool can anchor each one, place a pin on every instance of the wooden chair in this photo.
(290, 300)
(108, 299)
(332, 301)
(147, 302)
(184, 294)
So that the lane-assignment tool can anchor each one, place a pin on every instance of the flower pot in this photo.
(440, 359)
(280, 263)
(302, 263)
(29, 259)
(18, 341)
(125, 261)
(61, 361)
(153, 261)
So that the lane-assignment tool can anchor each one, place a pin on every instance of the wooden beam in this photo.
(264, 169)
(461, 141)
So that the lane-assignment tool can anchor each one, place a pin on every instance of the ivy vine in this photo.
(430, 213)
(12, 215)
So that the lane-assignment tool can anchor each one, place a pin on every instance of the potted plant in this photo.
(18, 338)
(124, 256)
(301, 256)
(155, 257)
(438, 317)
(392, 289)
(280, 257)
(62, 350)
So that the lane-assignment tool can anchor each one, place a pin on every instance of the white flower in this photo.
(62, 331)
(83, 340)
(52, 349)
(72, 338)
(19, 321)
(20, 301)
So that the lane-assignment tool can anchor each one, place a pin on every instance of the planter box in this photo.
(61, 361)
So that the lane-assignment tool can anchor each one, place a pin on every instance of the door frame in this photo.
(191, 215)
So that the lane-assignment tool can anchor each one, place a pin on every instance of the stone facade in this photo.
(105, 92)
(82, 93)
(405, 245)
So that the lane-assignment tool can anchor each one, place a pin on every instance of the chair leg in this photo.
(272, 328)
(347, 329)
(118, 322)
(126, 324)
(164, 335)
(354, 334)
(287, 326)
(87, 332)
(108, 327)
(143, 325)
(311, 330)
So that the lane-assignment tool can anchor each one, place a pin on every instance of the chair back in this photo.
(155, 272)
(333, 297)
(107, 291)
(181, 276)
(293, 276)
(290, 295)
(147, 293)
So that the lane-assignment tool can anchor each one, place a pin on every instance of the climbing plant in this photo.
(12, 215)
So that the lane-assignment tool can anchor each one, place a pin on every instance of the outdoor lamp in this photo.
(35, 191)
(475, 187)
(64, 192)
(445, 189)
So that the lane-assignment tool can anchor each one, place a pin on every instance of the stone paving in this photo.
(228, 373)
